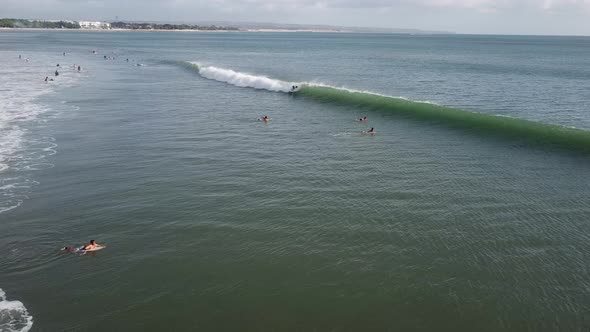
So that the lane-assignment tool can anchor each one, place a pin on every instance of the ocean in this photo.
(467, 210)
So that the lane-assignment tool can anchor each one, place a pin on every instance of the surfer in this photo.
(363, 119)
(294, 88)
(370, 131)
(46, 79)
(264, 118)
(92, 245)
(79, 68)
(56, 73)
(88, 247)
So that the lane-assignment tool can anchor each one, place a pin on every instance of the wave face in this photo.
(14, 317)
(531, 131)
(242, 79)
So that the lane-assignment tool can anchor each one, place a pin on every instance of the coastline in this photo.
(176, 30)
(114, 30)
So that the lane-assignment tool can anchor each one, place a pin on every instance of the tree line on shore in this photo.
(22, 23)
(166, 26)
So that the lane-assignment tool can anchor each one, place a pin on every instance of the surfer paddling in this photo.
(370, 131)
(92, 246)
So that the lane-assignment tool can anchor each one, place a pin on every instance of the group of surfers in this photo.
(47, 79)
(363, 119)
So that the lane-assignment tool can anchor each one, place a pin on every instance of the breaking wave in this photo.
(22, 149)
(241, 79)
(531, 131)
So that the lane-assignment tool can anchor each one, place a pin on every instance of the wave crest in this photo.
(243, 79)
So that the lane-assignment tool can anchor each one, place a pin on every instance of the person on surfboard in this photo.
(88, 247)
(92, 245)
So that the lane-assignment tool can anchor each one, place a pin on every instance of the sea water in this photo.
(467, 210)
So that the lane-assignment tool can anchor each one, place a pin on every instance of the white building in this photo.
(94, 25)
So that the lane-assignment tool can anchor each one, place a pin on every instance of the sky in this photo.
(538, 17)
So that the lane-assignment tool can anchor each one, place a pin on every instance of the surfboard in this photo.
(93, 249)
(79, 250)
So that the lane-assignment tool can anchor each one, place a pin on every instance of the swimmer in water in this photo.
(56, 73)
(46, 79)
(79, 68)
(264, 118)
(363, 119)
(371, 131)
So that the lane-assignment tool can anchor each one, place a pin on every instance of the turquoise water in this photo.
(467, 210)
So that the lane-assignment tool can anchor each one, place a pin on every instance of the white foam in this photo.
(14, 316)
(243, 79)
(20, 88)
(262, 82)
(367, 92)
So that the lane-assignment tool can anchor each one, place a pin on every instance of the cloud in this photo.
(474, 4)
(472, 16)
(274, 5)
(477, 5)
(566, 4)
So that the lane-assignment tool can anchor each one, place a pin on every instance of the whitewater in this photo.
(14, 316)
(22, 151)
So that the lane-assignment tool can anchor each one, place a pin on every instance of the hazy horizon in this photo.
(521, 17)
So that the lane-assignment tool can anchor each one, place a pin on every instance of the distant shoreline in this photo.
(177, 30)
(116, 30)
